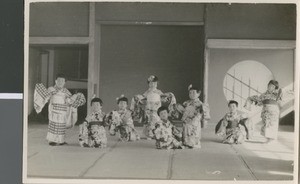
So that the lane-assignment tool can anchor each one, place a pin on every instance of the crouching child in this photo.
(232, 127)
(121, 121)
(167, 136)
(92, 131)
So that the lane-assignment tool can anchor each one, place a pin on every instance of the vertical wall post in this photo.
(205, 82)
(51, 69)
(206, 60)
(92, 51)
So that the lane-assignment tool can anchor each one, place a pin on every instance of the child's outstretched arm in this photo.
(77, 100)
(41, 97)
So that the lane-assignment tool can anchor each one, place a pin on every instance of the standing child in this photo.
(167, 136)
(92, 132)
(145, 106)
(153, 103)
(121, 121)
(194, 113)
(232, 126)
(270, 101)
(62, 108)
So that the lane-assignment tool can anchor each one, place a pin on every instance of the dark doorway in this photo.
(129, 54)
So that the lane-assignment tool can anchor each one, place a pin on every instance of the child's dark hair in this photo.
(275, 83)
(162, 108)
(191, 87)
(61, 75)
(152, 78)
(124, 99)
(96, 100)
(233, 102)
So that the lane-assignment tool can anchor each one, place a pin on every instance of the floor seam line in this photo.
(245, 163)
(81, 175)
(170, 164)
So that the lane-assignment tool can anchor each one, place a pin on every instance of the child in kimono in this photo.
(232, 127)
(153, 103)
(145, 106)
(92, 132)
(62, 108)
(194, 113)
(167, 136)
(270, 111)
(121, 121)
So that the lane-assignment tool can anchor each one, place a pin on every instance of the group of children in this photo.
(154, 109)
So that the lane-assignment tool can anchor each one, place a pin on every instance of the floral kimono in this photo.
(270, 111)
(232, 127)
(62, 109)
(194, 113)
(92, 132)
(121, 121)
(167, 136)
(145, 108)
(152, 104)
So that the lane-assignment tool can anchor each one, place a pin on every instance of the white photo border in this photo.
(110, 181)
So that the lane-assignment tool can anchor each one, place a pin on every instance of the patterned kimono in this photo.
(92, 132)
(194, 113)
(62, 109)
(167, 136)
(152, 105)
(145, 108)
(232, 128)
(270, 112)
(121, 121)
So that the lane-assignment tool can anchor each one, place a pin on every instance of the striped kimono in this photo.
(62, 110)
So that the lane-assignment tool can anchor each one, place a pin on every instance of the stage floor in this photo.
(140, 160)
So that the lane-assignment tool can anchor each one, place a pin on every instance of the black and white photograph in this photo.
(160, 92)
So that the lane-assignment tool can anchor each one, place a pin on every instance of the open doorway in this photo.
(129, 54)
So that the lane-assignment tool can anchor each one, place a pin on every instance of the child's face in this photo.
(232, 107)
(193, 94)
(60, 82)
(152, 84)
(163, 115)
(96, 106)
(122, 105)
(271, 87)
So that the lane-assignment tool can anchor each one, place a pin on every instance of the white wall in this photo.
(279, 62)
